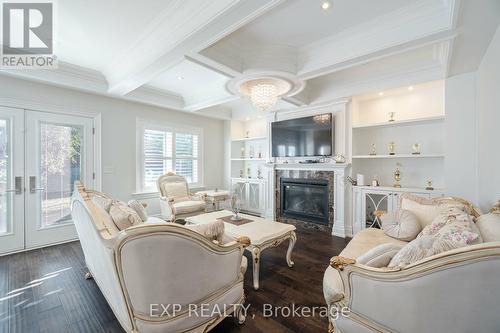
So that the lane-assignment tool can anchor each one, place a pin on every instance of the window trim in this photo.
(142, 125)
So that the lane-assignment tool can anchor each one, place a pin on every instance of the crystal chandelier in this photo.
(322, 119)
(264, 95)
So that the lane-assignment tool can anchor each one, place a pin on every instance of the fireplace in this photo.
(305, 199)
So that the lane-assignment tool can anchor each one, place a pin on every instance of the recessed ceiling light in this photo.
(247, 118)
(325, 5)
(381, 93)
(410, 88)
(180, 78)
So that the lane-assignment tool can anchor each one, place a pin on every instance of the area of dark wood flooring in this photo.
(44, 290)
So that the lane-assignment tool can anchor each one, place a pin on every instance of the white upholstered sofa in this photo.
(453, 291)
(143, 268)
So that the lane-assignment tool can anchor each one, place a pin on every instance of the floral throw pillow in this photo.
(455, 225)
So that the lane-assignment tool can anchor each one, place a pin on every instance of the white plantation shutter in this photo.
(166, 151)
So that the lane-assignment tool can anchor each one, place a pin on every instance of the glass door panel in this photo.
(11, 180)
(60, 150)
(60, 166)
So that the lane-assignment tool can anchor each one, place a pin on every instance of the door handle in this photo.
(18, 184)
(33, 188)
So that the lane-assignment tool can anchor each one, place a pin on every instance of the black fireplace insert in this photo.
(305, 199)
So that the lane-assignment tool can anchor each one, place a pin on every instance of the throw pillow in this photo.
(103, 202)
(139, 209)
(454, 225)
(421, 248)
(123, 216)
(401, 224)
(427, 210)
(489, 227)
(212, 231)
(379, 256)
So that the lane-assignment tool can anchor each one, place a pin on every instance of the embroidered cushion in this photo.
(139, 209)
(454, 225)
(489, 227)
(421, 248)
(379, 256)
(123, 216)
(212, 230)
(401, 224)
(427, 210)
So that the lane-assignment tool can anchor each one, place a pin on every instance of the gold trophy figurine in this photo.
(397, 176)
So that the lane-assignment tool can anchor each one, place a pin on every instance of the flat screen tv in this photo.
(309, 136)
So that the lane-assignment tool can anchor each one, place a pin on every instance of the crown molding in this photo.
(416, 24)
(190, 26)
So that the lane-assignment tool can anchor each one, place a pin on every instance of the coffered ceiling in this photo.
(181, 54)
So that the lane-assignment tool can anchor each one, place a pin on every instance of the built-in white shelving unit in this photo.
(249, 151)
(422, 120)
(418, 118)
(250, 139)
(248, 159)
(398, 156)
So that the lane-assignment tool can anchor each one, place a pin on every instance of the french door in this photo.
(41, 156)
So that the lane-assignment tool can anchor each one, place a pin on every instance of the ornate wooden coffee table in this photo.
(263, 234)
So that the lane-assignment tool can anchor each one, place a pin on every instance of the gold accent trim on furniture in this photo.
(347, 268)
(339, 263)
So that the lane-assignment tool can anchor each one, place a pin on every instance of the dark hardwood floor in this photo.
(45, 291)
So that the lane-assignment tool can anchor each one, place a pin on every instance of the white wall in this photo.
(119, 132)
(460, 137)
(488, 106)
(473, 131)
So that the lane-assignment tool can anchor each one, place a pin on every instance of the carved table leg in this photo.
(88, 276)
(291, 244)
(256, 265)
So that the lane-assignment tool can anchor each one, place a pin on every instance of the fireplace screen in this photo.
(305, 199)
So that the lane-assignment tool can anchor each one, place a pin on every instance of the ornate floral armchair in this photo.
(176, 202)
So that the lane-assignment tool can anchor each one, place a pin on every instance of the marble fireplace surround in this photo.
(334, 173)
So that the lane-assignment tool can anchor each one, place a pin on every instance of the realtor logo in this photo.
(28, 35)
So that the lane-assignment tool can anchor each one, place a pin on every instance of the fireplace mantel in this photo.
(309, 166)
(342, 226)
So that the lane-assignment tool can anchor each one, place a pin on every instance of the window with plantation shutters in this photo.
(169, 150)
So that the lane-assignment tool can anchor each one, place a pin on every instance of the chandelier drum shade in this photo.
(264, 90)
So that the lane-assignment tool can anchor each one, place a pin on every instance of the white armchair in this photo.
(176, 202)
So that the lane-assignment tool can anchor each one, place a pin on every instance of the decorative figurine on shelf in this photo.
(251, 152)
(247, 135)
(375, 182)
(236, 205)
(242, 152)
(339, 158)
(259, 174)
(259, 154)
(429, 186)
(249, 173)
(241, 174)
(391, 116)
(373, 151)
(392, 148)
(415, 149)
(397, 176)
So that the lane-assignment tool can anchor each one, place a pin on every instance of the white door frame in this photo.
(28, 105)
(13, 239)
(36, 234)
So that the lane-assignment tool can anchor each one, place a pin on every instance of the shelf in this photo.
(398, 156)
(400, 189)
(248, 159)
(402, 122)
(250, 139)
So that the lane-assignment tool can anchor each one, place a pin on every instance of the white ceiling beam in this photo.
(185, 27)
